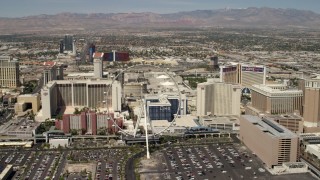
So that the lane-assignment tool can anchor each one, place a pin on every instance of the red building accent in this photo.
(83, 120)
(94, 122)
(57, 124)
(66, 123)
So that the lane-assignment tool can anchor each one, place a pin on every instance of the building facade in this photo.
(311, 114)
(245, 75)
(52, 72)
(9, 72)
(218, 98)
(292, 122)
(82, 93)
(97, 65)
(68, 43)
(230, 74)
(61, 47)
(134, 89)
(166, 107)
(27, 101)
(271, 99)
(271, 142)
(90, 123)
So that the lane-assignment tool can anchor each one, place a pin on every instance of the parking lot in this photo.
(213, 162)
(109, 161)
(54, 164)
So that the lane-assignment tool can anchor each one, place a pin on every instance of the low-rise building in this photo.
(292, 122)
(90, 123)
(27, 101)
(59, 142)
(166, 106)
(22, 128)
(224, 123)
(313, 149)
(180, 125)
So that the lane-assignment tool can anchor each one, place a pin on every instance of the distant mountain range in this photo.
(249, 17)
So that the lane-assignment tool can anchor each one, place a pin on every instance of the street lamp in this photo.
(146, 115)
(141, 86)
(105, 99)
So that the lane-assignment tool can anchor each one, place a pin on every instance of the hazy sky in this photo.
(19, 8)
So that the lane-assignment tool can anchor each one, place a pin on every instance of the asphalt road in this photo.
(36, 167)
(129, 169)
(45, 171)
(61, 165)
(103, 170)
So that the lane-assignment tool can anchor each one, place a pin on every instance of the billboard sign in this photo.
(253, 69)
(229, 69)
(119, 56)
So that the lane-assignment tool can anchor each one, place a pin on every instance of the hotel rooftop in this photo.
(269, 126)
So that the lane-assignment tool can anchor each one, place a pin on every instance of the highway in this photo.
(129, 169)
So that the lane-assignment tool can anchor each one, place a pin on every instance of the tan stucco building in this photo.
(311, 108)
(276, 99)
(218, 98)
(27, 101)
(243, 74)
(293, 122)
(271, 142)
(9, 72)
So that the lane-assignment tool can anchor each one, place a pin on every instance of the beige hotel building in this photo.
(245, 75)
(275, 99)
(311, 108)
(9, 72)
(271, 142)
(217, 98)
(80, 93)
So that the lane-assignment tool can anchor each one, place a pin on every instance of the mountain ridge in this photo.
(249, 17)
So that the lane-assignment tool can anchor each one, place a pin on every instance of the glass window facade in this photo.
(160, 113)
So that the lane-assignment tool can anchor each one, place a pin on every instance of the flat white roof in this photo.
(85, 81)
(220, 120)
(84, 74)
(6, 170)
(28, 95)
(17, 143)
(266, 89)
(181, 121)
(270, 126)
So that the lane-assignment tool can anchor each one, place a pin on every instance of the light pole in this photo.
(146, 115)
(141, 90)
(105, 99)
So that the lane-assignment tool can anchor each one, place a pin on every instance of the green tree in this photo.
(76, 111)
(83, 131)
(102, 131)
(74, 132)
(59, 117)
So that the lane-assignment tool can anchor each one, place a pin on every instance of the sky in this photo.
(21, 8)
